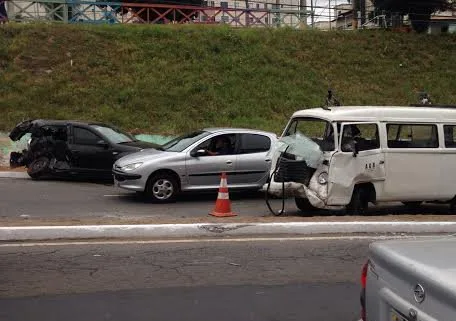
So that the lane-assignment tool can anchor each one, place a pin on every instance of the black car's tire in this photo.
(453, 205)
(38, 168)
(304, 205)
(162, 188)
(359, 202)
(412, 205)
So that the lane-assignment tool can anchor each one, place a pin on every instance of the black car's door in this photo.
(89, 150)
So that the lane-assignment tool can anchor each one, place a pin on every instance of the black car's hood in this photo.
(21, 129)
(140, 144)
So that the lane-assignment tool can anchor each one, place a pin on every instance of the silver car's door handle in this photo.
(267, 160)
(229, 162)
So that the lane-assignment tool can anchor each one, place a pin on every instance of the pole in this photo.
(247, 13)
(355, 14)
(330, 23)
(312, 17)
(302, 13)
(278, 15)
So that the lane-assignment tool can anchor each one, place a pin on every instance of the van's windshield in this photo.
(319, 130)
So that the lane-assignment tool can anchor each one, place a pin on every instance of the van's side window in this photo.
(412, 136)
(450, 136)
(365, 136)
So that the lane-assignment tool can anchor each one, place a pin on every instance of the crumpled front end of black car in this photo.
(47, 152)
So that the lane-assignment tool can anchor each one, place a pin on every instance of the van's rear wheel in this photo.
(359, 203)
(304, 205)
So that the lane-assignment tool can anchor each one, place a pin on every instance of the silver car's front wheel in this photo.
(162, 188)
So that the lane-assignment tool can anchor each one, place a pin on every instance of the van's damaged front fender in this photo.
(292, 189)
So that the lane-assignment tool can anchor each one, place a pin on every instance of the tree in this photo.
(419, 11)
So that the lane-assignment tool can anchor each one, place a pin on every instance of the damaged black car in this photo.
(71, 148)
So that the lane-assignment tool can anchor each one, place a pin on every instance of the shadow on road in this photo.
(257, 200)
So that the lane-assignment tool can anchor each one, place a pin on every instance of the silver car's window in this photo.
(114, 135)
(319, 130)
(180, 143)
(254, 143)
(219, 145)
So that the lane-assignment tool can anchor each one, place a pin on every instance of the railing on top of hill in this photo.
(68, 11)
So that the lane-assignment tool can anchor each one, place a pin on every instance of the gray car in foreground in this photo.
(195, 161)
(410, 280)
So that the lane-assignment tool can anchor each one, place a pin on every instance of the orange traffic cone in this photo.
(223, 204)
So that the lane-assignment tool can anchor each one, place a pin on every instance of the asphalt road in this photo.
(222, 280)
(81, 200)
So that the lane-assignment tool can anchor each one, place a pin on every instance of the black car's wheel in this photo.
(359, 202)
(453, 205)
(162, 188)
(412, 205)
(304, 205)
(38, 167)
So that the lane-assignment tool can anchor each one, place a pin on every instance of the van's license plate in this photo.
(396, 316)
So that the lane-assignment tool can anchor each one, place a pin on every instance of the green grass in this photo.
(171, 79)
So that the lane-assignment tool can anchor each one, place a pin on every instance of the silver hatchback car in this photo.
(195, 161)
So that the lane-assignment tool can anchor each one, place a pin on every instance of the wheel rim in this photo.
(39, 165)
(163, 189)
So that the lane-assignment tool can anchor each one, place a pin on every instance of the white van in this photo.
(349, 156)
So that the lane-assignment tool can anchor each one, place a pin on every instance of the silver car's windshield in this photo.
(180, 143)
(113, 134)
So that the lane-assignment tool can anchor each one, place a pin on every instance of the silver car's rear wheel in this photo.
(162, 188)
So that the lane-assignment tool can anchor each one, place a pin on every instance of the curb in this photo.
(14, 175)
(218, 230)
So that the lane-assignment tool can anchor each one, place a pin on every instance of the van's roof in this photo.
(381, 113)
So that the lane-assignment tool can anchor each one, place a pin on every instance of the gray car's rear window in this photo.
(180, 143)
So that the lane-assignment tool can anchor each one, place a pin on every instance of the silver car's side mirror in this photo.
(199, 152)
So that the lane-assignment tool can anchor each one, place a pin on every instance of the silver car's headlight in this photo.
(323, 178)
(131, 167)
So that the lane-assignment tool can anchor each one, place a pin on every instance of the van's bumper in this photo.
(293, 189)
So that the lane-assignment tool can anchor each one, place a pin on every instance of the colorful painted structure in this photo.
(68, 11)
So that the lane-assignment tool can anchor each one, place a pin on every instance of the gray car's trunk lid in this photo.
(401, 266)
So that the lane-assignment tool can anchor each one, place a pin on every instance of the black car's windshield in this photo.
(114, 135)
(182, 142)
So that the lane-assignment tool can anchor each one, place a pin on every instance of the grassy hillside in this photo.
(170, 79)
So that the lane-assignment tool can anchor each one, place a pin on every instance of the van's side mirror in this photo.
(198, 153)
(355, 147)
(351, 147)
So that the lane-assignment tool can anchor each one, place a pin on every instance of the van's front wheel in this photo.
(359, 202)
